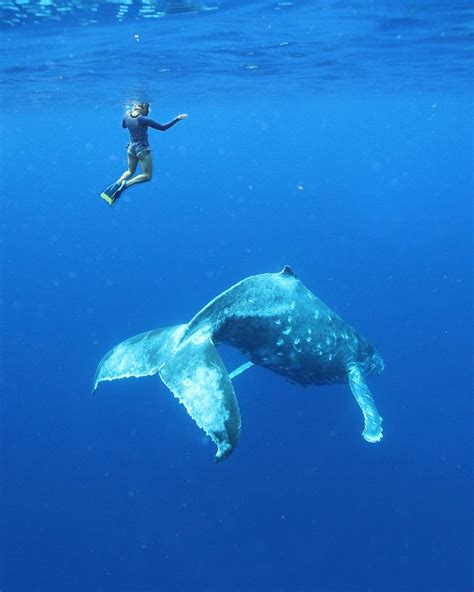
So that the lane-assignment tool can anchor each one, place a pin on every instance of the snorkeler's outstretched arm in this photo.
(162, 127)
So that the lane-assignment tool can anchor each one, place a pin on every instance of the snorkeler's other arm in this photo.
(123, 123)
(162, 127)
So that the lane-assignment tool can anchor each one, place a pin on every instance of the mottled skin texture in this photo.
(276, 322)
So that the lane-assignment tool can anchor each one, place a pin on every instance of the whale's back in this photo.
(275, 321)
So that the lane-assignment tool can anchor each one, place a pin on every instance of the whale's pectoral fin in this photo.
(197, 377)
(242, 368)
(373, 422)
(138, 356)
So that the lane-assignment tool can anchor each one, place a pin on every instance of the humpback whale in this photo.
(275, 322)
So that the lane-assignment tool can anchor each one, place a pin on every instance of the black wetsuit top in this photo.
(138, 127)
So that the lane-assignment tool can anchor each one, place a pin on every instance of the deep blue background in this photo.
(118, 492)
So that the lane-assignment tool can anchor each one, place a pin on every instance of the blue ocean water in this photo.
(335, 137)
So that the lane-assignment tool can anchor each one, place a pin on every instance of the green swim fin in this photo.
(112, 193)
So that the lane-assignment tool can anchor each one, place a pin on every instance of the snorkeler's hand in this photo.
(182, 116)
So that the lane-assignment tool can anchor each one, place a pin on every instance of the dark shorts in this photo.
(138, 149)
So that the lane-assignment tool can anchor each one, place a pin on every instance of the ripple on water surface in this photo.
(113, 49)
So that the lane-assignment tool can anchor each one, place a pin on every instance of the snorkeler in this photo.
(138, 150)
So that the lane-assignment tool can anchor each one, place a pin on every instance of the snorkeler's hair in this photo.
(144, 107)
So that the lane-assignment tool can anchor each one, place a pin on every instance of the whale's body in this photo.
(277, 323)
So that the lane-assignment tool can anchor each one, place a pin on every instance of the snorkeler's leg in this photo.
(113, 192)
(132, 167)
(146, 163)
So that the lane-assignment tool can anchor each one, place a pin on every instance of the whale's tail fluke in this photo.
(191, 368)
(197, 377)
(142, 355)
